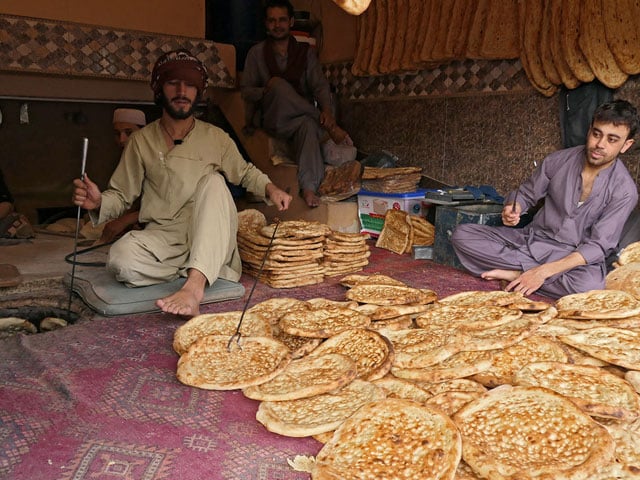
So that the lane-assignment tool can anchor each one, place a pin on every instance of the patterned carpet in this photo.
(99, 399)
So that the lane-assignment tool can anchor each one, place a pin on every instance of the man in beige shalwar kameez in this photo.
(175, 166)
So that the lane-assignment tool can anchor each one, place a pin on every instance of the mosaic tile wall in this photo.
(46, 46)
(455, 78)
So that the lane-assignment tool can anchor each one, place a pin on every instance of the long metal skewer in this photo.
(236, 336)
(85, 145)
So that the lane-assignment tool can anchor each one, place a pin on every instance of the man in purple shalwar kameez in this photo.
(588, 195)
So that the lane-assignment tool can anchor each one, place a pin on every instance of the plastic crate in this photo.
(372, 207)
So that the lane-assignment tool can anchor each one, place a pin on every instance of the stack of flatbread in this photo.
(520, 388)
(345, 253)
(401, 231)
(626, 275)
(301, 252)
(294, 257)
(391, 180)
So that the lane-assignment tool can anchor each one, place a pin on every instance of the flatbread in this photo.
(507, 362)
(471, 317)
(251, 219)
(396, 232)
(352, 280)
(392, 438)
(596, 304)
(452, 400)
(273, 308)
(322, 322)
(629, 254)
(481, 298)
(593, 44)
(353, 7)
(299, 229)
(306, 377)
(594, 390)
(384, 312)
(389, 295)
(531, 432)
(613, 345)
(459, 365)
(224, 323)
(399, 388)
(318, 414)
(625, 278)
(211, 365)
(372, 352)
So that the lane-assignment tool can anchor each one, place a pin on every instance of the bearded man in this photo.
(176, 166)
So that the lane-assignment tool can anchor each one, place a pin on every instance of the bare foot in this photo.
(312, 200)
(186, 301)
(497, 274)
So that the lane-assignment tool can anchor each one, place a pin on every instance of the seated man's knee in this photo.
(460, 234)
(279, 86)
(120, 259)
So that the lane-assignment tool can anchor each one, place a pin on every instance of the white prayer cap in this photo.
(129, 115)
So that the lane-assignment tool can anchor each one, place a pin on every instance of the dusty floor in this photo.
(42, 266)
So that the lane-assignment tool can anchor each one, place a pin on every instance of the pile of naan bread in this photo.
(626, 274)
(402, 231)
(400, 384)
(298, 252)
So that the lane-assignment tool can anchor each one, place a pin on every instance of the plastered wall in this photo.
(171, 17)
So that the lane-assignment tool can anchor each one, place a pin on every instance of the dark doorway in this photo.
(237, 22)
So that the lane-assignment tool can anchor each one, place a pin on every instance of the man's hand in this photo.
(279, 197)
(511, 216)
(86, 194)
(529, 281)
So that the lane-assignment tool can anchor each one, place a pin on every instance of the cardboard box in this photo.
(448, 218)
(372, 207)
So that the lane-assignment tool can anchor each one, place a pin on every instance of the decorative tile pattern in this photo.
(454, 78)
(35, 45)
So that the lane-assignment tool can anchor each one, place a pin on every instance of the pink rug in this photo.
(99, 399)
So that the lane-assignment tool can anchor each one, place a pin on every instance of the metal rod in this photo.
(237, 333)
(85, 145)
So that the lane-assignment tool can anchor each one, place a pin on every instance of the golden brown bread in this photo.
(530, 432)
(392, 438)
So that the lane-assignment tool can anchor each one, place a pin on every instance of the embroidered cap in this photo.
(178, 65)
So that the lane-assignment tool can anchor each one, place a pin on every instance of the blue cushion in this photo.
(104, 294)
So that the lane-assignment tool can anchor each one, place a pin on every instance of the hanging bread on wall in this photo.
(384, 66)
(399, 36)
(366, 26)
(501, 38)
(425, 56)
(408, 60)
(593, 44)
(379, 35)
(570, 33)
(567, 77)
(458, 33)
(546, 56)
(530, 14)
(623, 39)
(476, 29)
(438, 49)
